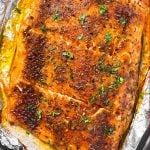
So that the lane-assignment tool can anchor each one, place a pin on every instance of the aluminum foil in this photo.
(141, 120)
(6, 7)
(7, 140)
(139, 124)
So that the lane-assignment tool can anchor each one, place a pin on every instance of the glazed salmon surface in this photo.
(75, 72)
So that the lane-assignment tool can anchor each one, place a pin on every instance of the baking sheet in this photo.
(141, 118)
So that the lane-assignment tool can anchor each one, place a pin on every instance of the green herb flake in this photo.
(54, 114)
(125, 39)
(122, 21)
(112, 70)
(53, 48)
(42, 80)
(101, 64)
(101, 61)
(116, 83)
(18, 10)
(101, 90)
(108, 37)
(68, 55)
(80, 37)
(118, 36)
(107, 131)
(103, 10)
(39, 115)
(31, 107)
(27, 132)
(106, 102)
(44, 99)
(113, 85)
(85, 119)
(43, 29)
(82, 18)
(120, 80)
(93, 99)
(56, 15)
(118, 64)
(143, 93)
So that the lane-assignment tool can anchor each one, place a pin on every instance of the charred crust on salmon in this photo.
(25, 109)
(35, 59)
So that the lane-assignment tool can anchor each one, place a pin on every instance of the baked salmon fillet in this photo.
(74, 75)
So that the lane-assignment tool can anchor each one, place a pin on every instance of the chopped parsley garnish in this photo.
(118, 64)
(120, 80)
(101, 64)
(101, 61)
(42, 80)
(18, 10)
(44, 28)
(108, 37)
(56, 15)
(106, 102)
(108, 68)
(44, 99)
(54, 114)
(53, 48)
(142, 94)
(31, 107)
(82, 18)
(107, 131)
(68, 55)
(103, 10)
(116, 83)
(27, 132)
(39, 115)
(101, 90)
(112, 70)
(125, 39)
(85, 119)
(118, 36)
(93, 99)
(80, 37)
(123, 21)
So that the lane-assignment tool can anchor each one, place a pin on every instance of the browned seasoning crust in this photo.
(62, 119)
(77, 83)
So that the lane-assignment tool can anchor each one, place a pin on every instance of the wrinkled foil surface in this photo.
(140, 122)
(141, 119)
(9, 141)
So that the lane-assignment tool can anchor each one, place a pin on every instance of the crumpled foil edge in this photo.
(141, 120)
(9, 141)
